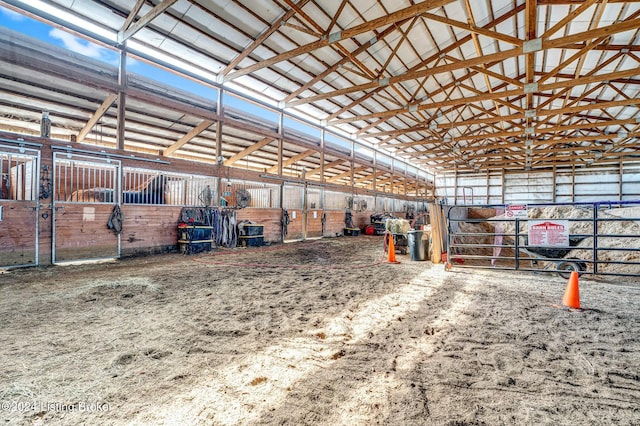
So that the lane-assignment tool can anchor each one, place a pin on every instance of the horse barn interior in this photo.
(395, 212)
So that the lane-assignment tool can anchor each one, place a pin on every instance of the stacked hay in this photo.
(584, 249)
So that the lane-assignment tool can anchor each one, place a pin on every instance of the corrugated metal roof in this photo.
(444, 84)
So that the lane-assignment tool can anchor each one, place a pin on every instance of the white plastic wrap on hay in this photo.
(397, 226)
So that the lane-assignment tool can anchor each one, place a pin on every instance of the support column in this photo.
(620, 177)
(322, 131)
(455, 186)
(353, 162)
(219, 156)
(488, 188)
(280, 141)
(502, 184)
(122, 96)
(375, 171)
(393, 173)
(573, 182)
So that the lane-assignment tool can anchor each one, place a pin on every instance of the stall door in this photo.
(86, 190)
(293, 203)
(19, 206)
(314, 212)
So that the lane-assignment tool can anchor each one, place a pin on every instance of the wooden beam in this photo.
(292, 160)
(132, 15)
(499, 56)
(326, 166)
(100, 112)
(159, 9)
(261, 38)
(474, 29)
(570, 17)
(342, 35)
(256, 146)
(186, 138)
(364, 178)
(497, 95)
(346, 174)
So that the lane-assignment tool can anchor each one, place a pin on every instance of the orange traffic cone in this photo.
(572, 293)
(392, 251)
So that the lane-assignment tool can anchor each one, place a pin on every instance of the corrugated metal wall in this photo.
(580, 185)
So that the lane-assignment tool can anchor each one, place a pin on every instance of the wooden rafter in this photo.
(186, 138)
(346, 174)
(100, 112)
(292, 160)
(342, 35)
(325, 167)
(248, 150)
(261, 38)
(499, 56)
(499, 95)
(159, 9)
(132, 15)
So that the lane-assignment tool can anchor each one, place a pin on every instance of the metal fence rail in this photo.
(601, 238)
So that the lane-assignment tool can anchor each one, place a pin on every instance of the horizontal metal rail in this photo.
(599, 241)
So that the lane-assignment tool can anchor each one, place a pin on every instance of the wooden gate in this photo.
(314, 212)
(293, 201)
(19, 206)
(86, 190)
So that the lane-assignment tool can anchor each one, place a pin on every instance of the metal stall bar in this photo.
(601, 238)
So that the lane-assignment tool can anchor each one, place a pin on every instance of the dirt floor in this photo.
(336, 338)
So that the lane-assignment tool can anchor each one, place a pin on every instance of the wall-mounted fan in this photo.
(243, 198)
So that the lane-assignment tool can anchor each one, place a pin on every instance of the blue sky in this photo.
(58, 37)
(55, 36)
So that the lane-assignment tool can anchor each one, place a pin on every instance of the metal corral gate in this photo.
(601, 238)
(86, 189)
(19, 206)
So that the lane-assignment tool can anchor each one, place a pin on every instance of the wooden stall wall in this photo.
(296, 221)
(149, 229)
(334, 225)
(271, 219)
(82, 232)
(314, 224)
(17, 233)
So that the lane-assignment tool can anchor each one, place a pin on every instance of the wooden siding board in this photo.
(17, 233)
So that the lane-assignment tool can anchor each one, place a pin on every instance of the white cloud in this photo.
(14, 16)
(78, 45)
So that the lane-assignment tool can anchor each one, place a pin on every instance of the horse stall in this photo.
(85, 192)
(19, 184)
(63, 204)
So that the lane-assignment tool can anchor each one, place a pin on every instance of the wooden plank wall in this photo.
(294, 230)
(314, 225)
(270, 218)
(335, 223)
(17, 233)
(82, 232)
(149, 229)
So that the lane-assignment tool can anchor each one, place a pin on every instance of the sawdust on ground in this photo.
(335, 337)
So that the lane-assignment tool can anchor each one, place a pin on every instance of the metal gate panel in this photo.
(293, 202)
(601, 238)
(314, 212)
(86, 189)
(19, 206)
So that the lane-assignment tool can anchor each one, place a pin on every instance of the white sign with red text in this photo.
(549, 233)
(516, 211)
